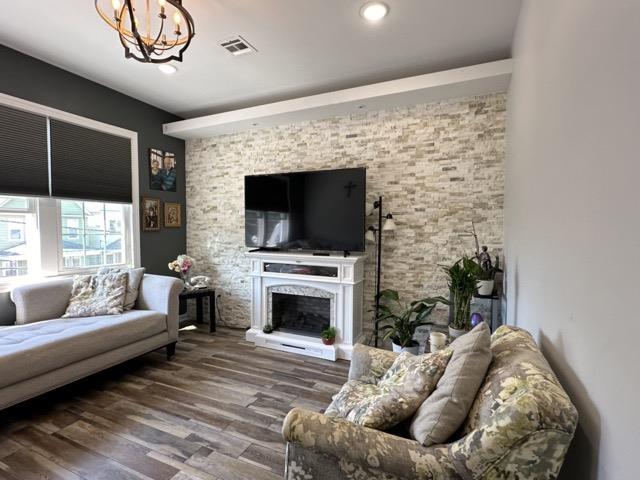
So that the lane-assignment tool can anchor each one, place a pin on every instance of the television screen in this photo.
(322, 210)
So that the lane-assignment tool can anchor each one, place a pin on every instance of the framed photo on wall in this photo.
(151, 214)
(172, 215)
(162, 170)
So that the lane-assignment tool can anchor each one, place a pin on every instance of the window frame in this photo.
(127, 232)
(46, 208)
(29, 210)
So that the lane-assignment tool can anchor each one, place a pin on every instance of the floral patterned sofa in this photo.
(520, 426)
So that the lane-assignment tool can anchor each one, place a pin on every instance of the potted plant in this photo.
(402, 320)
(268, 328)
(486, 282)
(328, 336)
(463, 283)
(486, 279)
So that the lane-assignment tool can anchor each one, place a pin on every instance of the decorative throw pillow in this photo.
(134, 277)
(93, 295)
(369, 364)
(442, 413)
(396, 396)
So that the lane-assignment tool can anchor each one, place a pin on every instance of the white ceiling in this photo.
(304, 47)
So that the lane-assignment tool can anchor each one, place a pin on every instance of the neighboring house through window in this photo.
(84, 236)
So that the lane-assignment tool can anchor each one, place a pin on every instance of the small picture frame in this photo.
(151, 214)
(172, 215)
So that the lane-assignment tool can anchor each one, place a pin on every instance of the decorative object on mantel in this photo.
(268, 328)
(488, 270)
(172, 215)
(374, 235)
(182, 265)
(463, 283)
(328, 336)
(150, 214)
(403, 320)
(157, 34)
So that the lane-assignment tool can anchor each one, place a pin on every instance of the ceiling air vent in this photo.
(237, 46)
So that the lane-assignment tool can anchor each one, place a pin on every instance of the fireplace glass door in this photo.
(300, 314)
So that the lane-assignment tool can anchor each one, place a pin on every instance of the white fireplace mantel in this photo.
(341, 281)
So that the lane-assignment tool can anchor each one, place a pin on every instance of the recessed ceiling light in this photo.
(374, 11)
(167, 68)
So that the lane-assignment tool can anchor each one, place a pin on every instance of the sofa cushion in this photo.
(395, 397)
(37, 348)
(134, 277)
(94, 295)
(369, 364)
(445, 410)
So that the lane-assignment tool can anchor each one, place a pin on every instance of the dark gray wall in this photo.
(31, 79)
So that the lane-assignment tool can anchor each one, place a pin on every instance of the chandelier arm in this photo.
(136, 34)
(159, 33)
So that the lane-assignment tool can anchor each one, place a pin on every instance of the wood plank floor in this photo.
(213, 413)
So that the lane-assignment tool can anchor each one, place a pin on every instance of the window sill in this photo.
(7, 285)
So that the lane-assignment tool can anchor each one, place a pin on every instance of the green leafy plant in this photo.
(268, 328)
(463, 283)
(329, 333)
(401, 320)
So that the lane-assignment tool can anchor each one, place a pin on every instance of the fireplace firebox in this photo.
(300, 314)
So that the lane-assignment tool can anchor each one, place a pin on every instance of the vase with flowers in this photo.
(182, 265)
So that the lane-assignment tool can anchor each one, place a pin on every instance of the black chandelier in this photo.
(159, 35)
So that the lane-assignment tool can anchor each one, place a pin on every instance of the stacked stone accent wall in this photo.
(438, 166)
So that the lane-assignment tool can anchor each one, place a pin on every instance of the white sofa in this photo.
(43, 351)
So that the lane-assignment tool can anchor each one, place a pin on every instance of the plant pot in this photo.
(485, 287)
(413, 349)
(455, 333)
(329, 341)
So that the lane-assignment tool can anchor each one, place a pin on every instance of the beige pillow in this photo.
(442, 413)
(134, 277)
(395, 397)
(93, 295)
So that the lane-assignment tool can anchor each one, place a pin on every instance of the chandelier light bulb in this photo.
(177, 18)
(162, 3)
(116, 4)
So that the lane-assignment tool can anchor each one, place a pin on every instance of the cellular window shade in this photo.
(23, 153)
(89, 165)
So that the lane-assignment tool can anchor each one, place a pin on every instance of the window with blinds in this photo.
(24, 158)
(88, 164)
(43, 156)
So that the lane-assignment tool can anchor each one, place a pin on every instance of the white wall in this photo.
(573, 215)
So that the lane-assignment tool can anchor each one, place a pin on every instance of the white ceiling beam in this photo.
(460, 82)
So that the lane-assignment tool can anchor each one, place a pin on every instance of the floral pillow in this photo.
(134, 277)
(93, 295)
(396, 396)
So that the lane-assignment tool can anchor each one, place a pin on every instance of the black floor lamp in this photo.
(374, 235)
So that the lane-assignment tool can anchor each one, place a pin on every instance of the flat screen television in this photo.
(321, 210)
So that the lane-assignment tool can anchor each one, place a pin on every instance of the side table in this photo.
(200, 294)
